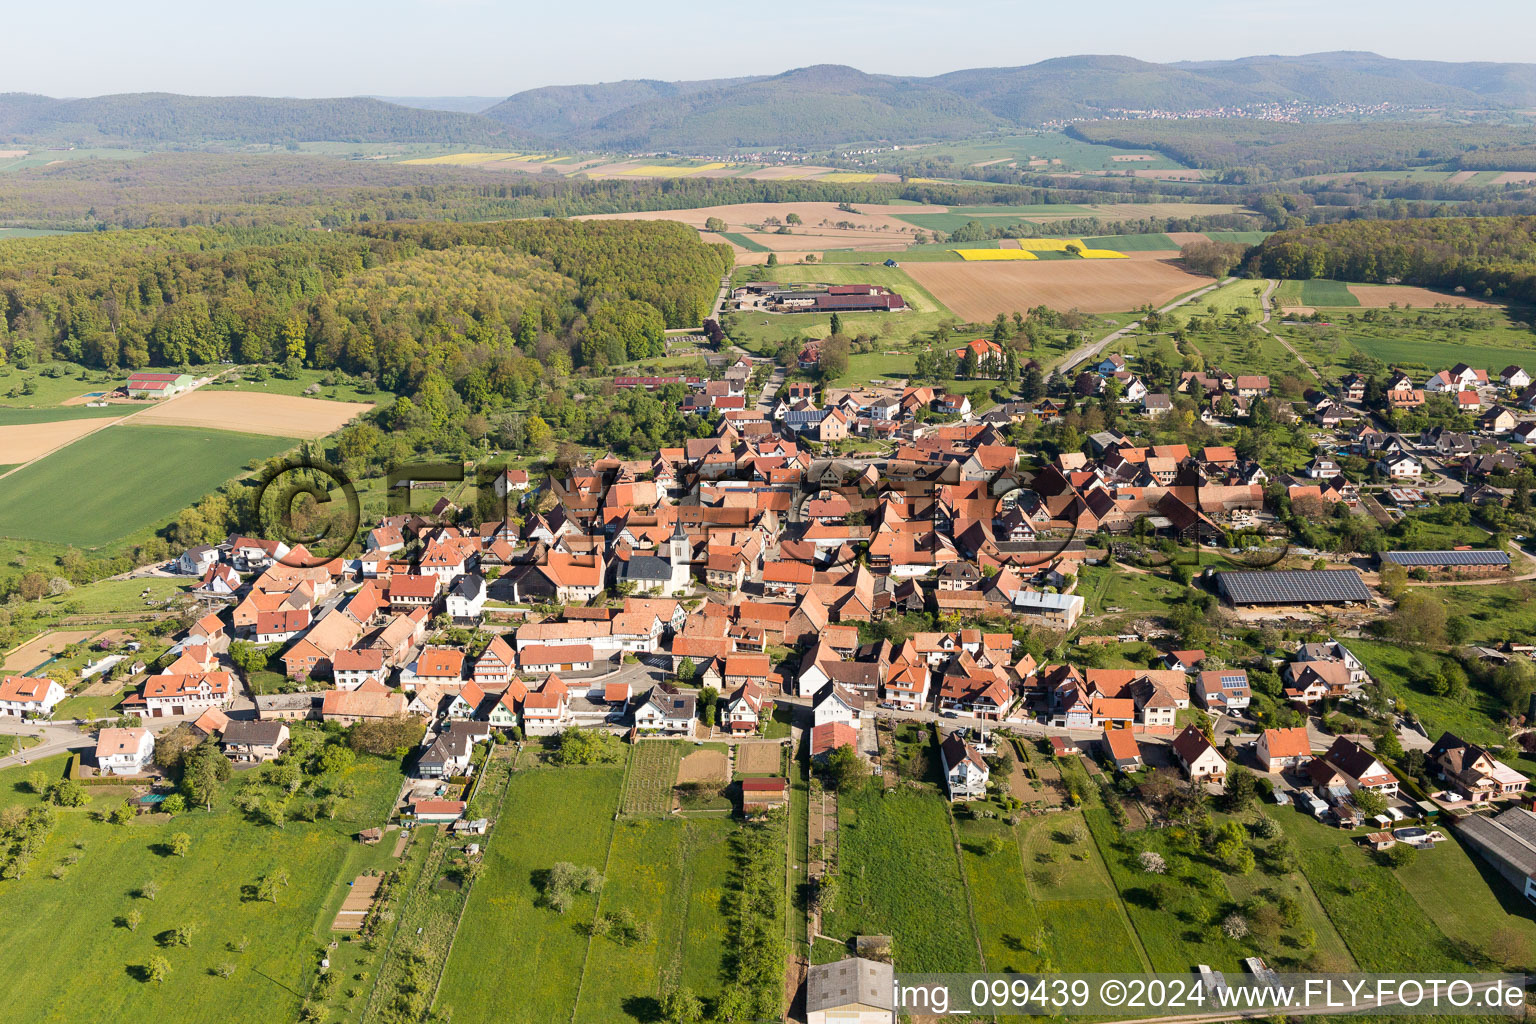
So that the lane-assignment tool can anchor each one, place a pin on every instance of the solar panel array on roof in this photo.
(1293, 586)
(1482, 556)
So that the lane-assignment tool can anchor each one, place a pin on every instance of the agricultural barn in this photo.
(857, 303)
(1293, 586)
(1479, 562)
(157, 385)
(1508, 842)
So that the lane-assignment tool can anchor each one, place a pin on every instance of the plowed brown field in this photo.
(23, 442)
(979, 291)
(1379, 296)
(254, 413)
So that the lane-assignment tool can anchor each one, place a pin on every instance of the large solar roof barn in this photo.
(1414, 559)
(1293, 586)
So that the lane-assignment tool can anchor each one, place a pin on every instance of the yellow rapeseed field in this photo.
(1048, 244)
(663, 171)
(982, 255)
(1102, 254)
(469, 158)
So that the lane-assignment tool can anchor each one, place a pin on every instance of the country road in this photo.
(1085, 352)
(1263, 325)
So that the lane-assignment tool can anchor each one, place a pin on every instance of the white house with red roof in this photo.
(124, 751)
(21, 696)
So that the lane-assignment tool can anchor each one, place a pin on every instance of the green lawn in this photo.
(550, 815)
(120, 479)
(1392, 666)
(1133, 243)
(990, 216)
(899, 877)
(1469, 900)
(74, 919)
(1177, 930)
(107, 596)
(337, 390)
(1228, 298)
(1074, 154)
(52, 383)
(1243, 237)
(1385, 929)
(1045, 901)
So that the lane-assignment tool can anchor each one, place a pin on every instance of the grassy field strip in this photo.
(598, 909)
(473, 803)
(898, 876)
(562, 814)
(965, 883)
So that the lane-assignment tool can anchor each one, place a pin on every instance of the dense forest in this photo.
(431, 295)
(1487, 256)
(1248, 151)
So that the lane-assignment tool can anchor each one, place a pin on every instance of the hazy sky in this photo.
(494, 48)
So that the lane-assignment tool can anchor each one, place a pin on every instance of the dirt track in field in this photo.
(255, 413)
(23, 442)
(979, 291)
(1379, 296)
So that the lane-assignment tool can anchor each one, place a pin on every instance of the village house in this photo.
(29, 697)
(672, 714)
(370, 702)
(1198, 758)
(245, 742)
(965, 773)
(1222, 690)
(1279, 749)
(1121, 749)
(124, 751)
(351, 668)
(1359, 767)
(546, 711)
(1472, 772)
(448, 756)
(835, 703)
(189, 693)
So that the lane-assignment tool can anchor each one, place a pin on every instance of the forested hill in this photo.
(163, 118)
(822, 106)
(1487, 256)
(392, 306)
(831, 104)
(816, 106)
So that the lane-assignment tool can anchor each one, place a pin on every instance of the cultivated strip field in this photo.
(255, 413)
(27, 441)
(980, 291)
(1379, 296)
